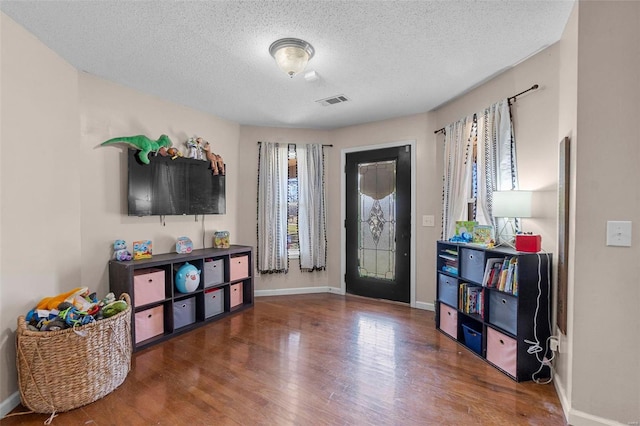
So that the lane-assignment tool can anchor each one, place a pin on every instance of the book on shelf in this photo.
(463, 226)
(483, 235)
(508, 285)
(490, 271)
(471, 299)
(448, 257)
(502, 280)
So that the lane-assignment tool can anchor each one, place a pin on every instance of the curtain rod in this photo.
(330, 145)
(509, 99)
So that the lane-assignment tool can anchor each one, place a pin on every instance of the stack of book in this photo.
(450, 261)
(471, 299)
(502, 274)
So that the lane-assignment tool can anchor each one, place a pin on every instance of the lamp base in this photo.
(506, 235)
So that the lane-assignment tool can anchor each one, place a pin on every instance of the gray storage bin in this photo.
(213, 272)
(471, 264)
(213, 302)
(448, 290)
(184, 312)
(503, 311)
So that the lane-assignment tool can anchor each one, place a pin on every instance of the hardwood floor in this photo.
(319, 359)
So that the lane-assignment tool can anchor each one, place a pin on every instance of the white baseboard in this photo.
(580, 418)
(577, 417)
(299, 290)
(9, 404)
(427, 306)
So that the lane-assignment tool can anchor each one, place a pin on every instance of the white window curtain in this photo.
(457, 174)
(496, 160)
(311, 207)
(496, 165)
(272, 207)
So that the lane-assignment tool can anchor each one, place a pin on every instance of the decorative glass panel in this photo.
(377, 220)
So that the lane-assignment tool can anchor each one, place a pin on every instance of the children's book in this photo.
(463, 226)
(483, 234)
(142, 249)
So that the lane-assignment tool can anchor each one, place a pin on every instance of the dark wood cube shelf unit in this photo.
(495, 302)
(160, 311)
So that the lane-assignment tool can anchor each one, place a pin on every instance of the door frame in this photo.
(343, 212)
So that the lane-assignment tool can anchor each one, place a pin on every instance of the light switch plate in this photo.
(619, 233)
(428, 220)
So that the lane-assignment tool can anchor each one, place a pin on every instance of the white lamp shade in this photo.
(512, 204)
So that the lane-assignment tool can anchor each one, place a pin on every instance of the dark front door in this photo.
(378, 223)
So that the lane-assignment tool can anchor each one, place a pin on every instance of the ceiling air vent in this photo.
(338, 99)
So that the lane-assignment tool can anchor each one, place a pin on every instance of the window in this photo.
(293, 245)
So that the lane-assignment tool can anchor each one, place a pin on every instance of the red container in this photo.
(528, 243)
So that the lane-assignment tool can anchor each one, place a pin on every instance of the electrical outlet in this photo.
(619, 233)
(428, 220)
(554, 344)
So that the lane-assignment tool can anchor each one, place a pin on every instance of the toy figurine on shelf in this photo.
(217, 163)
(120, 251)
(143, 144)
(195, 148)
(174, 153)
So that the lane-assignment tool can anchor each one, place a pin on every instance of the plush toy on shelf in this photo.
(195, 148)
(217, 163)
(120, 251)
(143, 144)
(187, 278)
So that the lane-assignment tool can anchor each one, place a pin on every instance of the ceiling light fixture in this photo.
(291, 54)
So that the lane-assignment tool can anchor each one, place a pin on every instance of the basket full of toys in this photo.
(72, 349)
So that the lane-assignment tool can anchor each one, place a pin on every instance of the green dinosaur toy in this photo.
(143, 143)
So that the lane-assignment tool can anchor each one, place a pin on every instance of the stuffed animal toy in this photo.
(217, 163)
(120, 251)
(50, 303)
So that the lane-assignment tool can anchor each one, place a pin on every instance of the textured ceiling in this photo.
(390, 58)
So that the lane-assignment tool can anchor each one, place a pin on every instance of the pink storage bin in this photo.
(235, 296)
(502, 351)
(148, 286)
(149, 323)
(449, 320)
(239, 268)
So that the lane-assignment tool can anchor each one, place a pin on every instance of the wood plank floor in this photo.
(319, 359)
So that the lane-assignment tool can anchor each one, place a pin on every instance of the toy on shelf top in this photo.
(195, 148)
(142, 143)
(217, 163)
(120, 251)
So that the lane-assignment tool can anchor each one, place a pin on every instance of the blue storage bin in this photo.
(472, 339)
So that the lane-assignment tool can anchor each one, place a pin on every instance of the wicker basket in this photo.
(62, 370)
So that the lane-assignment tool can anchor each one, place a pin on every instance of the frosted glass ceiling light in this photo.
(291, 54)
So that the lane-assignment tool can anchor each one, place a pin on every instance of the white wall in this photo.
(64, 196)
(567, 127)
(606, 324)
(40, 183)
(109, 110)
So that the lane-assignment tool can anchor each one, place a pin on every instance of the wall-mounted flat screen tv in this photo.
(183, 186)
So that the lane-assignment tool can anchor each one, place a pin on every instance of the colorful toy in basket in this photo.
(187, 278)
(120, 251)
(74, 308)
